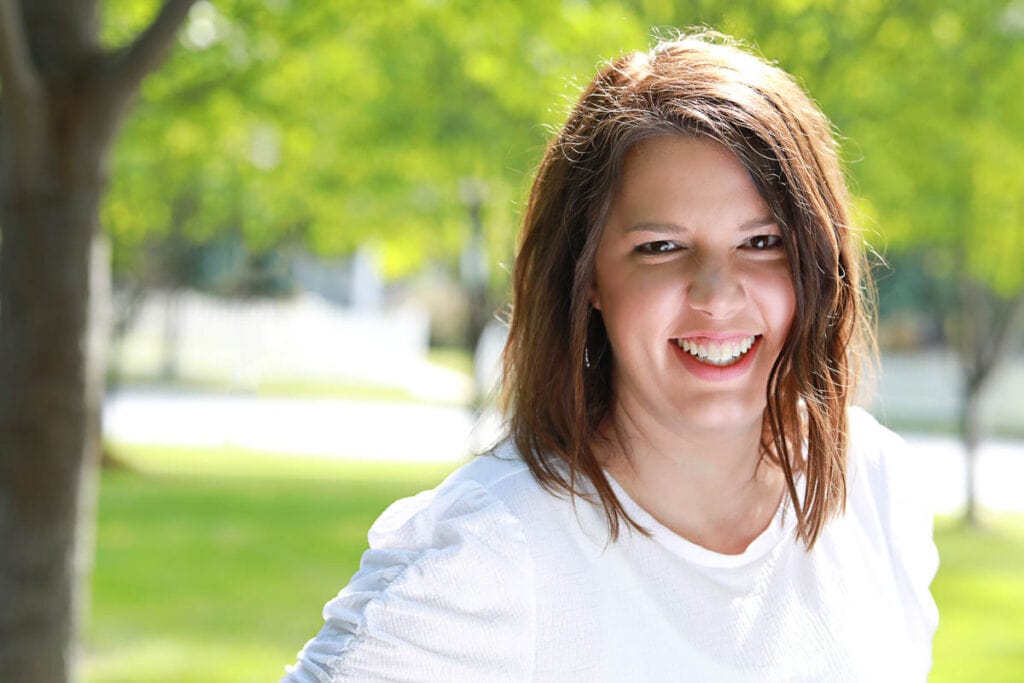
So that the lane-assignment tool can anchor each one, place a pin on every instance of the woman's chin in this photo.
(721, 417)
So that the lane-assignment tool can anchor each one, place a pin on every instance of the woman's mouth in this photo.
(717, 353)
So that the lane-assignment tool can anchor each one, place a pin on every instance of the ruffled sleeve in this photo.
(445, 593)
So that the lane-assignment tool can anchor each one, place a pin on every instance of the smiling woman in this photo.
(685, 492)
(693, 286)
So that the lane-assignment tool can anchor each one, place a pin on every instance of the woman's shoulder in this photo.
(485, 490)
(896, 471)
(501, 470)
(887, 490)
(870, 439)
(879, 454)
(423, 604)
(881, 461)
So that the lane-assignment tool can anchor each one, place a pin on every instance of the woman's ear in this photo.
(595, 301)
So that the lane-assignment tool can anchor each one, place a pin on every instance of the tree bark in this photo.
(44, 423)
(988, 324)
(61, 101)
(970, 434)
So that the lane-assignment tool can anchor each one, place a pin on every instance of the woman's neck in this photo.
(712, 487)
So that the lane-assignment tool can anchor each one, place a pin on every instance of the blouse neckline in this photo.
(782, 525)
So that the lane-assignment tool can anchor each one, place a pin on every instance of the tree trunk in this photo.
(46, 419)
(987, 327)
(96, 348)
(61, 100)
(474, 273)
(171, 366)
(970, 433)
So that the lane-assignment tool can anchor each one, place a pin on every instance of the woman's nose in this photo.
(715, 290)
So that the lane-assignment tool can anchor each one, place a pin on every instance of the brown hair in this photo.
(700, 84)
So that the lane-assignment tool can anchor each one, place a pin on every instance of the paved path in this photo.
(330, 427)
(413, 432)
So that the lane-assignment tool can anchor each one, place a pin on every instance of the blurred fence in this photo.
(243, 343)
(924, 388)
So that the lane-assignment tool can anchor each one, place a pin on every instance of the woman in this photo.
(685, 493)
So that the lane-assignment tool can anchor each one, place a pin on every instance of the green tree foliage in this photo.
(332, 124)
(943, 157)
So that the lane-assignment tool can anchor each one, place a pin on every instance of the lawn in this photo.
(213, 566)
(980, 593)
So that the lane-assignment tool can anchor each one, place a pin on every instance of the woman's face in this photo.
(693, 284)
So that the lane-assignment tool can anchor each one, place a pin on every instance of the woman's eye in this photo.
(764, 242)
(657, 247)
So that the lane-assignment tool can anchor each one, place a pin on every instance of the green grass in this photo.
(980, 593)
(213, 565)
(452, 358)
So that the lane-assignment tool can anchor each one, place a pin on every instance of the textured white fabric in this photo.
(491, 578)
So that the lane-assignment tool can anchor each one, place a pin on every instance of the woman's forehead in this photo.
(675, 176)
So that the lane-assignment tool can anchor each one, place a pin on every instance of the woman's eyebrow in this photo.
(755, 223)
(675, 228)
(671, 228)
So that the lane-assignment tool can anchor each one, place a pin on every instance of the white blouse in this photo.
(489, 577)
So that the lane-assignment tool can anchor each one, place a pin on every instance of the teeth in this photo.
(717, 353)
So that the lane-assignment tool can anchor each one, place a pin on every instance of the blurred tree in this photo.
(63, 97)
(340, 123)
(404, 104)
(944, 171)
(397, 103)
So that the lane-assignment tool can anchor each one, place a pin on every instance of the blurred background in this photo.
(310, 223)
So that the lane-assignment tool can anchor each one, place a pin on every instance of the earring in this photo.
(586, 357)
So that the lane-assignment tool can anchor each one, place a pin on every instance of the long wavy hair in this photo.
(701, 84)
